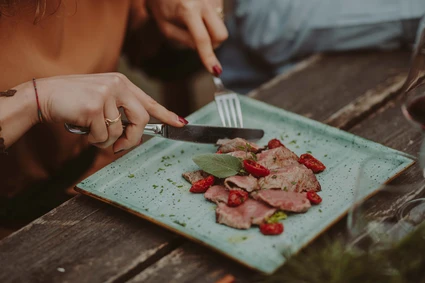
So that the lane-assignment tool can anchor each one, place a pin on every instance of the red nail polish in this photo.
(183, 120)
(217, 70)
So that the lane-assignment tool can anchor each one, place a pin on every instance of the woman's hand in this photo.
(88, 100)
(194, 23)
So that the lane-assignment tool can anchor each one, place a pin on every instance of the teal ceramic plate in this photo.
(148, 182)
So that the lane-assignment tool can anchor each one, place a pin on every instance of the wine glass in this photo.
(380, 216)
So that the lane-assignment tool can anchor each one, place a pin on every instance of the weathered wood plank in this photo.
(83, 240)
(333, 81)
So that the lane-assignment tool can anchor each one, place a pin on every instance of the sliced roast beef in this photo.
(277, 158)
(293, 178)
(242, 154)
(238, 144)
(195, 176)
(242, 216)
(217, 194)
(248, 183)
(287, 201)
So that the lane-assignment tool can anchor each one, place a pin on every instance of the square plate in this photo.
(148, 182)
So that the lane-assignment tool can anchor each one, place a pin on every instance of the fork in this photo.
(228, 105)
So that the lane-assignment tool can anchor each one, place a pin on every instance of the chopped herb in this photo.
(182, 151)
(285, 189)
(131, 175)
(180, 186)
(178, 201)
(171, 215)
(286, 136)
(308, 151)
(280, 215)
(155, 186)
(244, 238)
(254, 156)
(178, 161)
(320, 210)
(274, 177)
(241, 147)
(299, 134)
(180, 223)
(174, 156)
(169, 180)
(293, 142)
(168, 164)
(161, 191)
(297, 146)
(293, 182)
(281, 137)
(160, 169)
(326, 155)
(162, 215)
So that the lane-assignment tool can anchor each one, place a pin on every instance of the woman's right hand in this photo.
(87, 100)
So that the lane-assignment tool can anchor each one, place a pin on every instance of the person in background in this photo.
(58, 61)
(267, 38)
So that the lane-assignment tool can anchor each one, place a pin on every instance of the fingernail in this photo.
(217, 70)
(183, 120)
(118, 151)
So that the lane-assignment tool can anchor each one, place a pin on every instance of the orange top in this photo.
(80, 37)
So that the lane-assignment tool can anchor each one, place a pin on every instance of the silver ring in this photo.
(109, 122)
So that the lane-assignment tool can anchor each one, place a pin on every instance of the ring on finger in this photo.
(109, 122)
(220, 12)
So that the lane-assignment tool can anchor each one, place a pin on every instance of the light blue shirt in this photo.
(268, 36)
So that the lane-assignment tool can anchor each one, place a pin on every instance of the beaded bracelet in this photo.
(40, 115)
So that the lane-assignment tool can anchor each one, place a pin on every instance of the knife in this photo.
(188, 133)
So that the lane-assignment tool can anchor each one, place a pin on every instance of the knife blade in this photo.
(188, 133)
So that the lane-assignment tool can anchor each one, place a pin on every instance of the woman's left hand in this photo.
(193, 23)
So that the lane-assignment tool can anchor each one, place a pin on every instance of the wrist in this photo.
(25, 92)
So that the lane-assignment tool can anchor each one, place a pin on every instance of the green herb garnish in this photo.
(293, 182)
(276, 217)
(308, 151)
(180, 223)
(130, 175)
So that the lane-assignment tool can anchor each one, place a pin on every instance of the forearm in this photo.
(18, 113)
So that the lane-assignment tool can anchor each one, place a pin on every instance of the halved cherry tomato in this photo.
(236, 198)
(255, 169)
(311, 163)
(274, 143)
(271, 228)
(219, 152)
(313, 197)
(202, 186)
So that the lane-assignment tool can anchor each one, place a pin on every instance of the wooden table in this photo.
(85, 240)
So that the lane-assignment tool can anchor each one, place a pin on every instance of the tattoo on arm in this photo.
(7, 93)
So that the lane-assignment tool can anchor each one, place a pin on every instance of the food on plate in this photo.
(202, 185)
(254, 185)
(271, 228)
(311, 163)
(236, 198)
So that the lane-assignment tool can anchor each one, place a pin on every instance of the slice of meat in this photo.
(293, 178)
(242, 154)
(248, 183)
(195, 176)
(277, 158)
(238, 144)
(287, 201)
(242, 216)
(217, 194)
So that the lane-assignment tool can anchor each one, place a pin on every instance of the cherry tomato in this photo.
(202, 186)
(219, 152)
(313, 197)
(237, 198)
(255, 169)
(271, 228)
(311, 163)
(274, 143)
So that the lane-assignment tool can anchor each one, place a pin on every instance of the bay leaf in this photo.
(218, 165)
